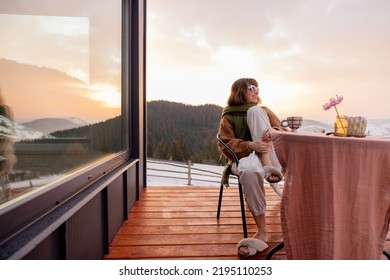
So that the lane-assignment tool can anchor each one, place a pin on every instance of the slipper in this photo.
(254, 246)
(270, 170)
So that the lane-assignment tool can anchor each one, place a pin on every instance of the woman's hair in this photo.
(238, 92)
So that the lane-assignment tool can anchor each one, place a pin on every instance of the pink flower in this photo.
(327, 106)
(333, 102)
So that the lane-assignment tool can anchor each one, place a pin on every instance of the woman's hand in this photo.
(260, 146)
(266, 136)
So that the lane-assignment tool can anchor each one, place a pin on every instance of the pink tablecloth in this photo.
(336, 202)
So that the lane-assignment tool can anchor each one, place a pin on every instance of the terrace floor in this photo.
(181, 223)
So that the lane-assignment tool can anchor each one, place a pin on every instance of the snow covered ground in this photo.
(159, 173)
(167, 173)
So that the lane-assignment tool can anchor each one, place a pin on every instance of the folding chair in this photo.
(242, 205)
(274, 186)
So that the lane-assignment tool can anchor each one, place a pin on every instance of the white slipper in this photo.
(254, 246)
(270, 170)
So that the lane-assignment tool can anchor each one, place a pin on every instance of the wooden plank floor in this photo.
(180, 223)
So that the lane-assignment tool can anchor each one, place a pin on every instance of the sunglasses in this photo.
(254, 89)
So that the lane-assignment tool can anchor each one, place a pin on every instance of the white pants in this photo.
(250, 168)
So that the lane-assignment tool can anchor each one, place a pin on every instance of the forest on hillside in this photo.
(183, 132)
(69, 148)
(175, 131)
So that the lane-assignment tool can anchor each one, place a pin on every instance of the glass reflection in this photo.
(7, 155)
(60, 75)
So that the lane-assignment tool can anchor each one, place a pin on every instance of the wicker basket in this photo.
(357, 126)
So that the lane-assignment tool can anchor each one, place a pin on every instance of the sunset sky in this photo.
(51, 42)
(301, 52)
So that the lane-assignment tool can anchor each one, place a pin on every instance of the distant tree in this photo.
(175, 130)
(211, 152)
(150, 150)
(179, 149)
(170, 120)
(161, 150)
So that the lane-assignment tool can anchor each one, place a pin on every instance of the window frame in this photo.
(27, 211)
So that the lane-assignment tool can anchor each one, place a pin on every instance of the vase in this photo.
(341, 126)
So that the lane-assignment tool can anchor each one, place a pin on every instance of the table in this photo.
(336, 198)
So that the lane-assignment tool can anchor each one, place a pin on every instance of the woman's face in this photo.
(252, 94)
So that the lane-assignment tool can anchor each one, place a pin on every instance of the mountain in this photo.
(17, 131)
(175, 131)
(312, 125)
(378, 127)
(36, 129)
(49, 125)
(375, 127)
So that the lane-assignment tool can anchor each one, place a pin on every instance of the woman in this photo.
(245, 128)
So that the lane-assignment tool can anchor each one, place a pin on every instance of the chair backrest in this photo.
(231, 152)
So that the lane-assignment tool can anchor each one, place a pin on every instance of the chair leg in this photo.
(274, 250)
(242, 210)
(242, 205)
(220, 200)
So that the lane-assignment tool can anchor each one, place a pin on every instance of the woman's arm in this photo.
(226, 133)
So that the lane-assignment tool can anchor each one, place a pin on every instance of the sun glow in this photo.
(108, 94)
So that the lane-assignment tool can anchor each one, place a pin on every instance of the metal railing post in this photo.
(189, 173)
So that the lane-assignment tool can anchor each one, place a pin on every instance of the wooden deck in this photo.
(180, 223)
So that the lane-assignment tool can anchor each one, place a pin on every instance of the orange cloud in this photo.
(35, 92)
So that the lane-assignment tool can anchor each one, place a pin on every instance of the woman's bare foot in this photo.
(244, 250)
(261, 233)
(251, 246)
(271, 178)
(263, 236)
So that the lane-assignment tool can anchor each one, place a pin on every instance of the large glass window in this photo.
(60, 90)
